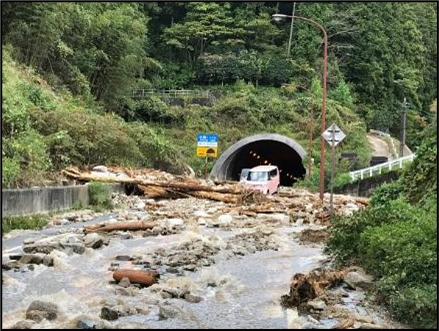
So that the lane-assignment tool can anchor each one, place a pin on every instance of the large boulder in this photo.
(358, 279)
(93, 240)
(39, 310)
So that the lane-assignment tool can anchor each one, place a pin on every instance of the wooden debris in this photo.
(120, 226)
(347, 323)
(304, 288)
(144, 278)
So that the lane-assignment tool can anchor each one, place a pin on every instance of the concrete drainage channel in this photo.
(214, 267)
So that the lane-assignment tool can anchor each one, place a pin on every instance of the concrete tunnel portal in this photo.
(262, 149)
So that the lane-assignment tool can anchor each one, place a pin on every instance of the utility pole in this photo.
(291, 29)
(403, 124)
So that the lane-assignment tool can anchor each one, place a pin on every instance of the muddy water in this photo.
(80, 284)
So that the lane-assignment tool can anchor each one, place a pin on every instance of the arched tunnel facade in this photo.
(261, 149)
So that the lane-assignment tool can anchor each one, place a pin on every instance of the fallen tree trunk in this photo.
(121, 226)
(190, 186)
(144, 278)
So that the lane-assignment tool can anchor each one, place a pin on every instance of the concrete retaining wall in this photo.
(365, 187)
(46, 199)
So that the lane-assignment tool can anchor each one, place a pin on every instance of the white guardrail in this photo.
(377, 169)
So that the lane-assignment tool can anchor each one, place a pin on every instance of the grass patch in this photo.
(34, 222)
(100, 196)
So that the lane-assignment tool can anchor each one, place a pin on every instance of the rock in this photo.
(48, 261)
(309, 326)
(282, 218)
(45, 248)
(93, 240)
(190, 267)
(100, 168)
(358, 280)
(299, 222)
(125, 282)
(141, 206)
(364, 319)
(109, 314)
(317, 304)
(10, 265)
(40, 309)
(150, 201)
(26, 324)
(225, 220)
(15, 257)
(28, 241)
(360, 296)
(201, 213)
(86, 324)
(166, 312)
(192, 298)
(36, 316)
(27, 258)
(77, 248)
(123, 258)
(123, 291)
(172, 270)
(175, 222)
(64, 222)
(202, 221)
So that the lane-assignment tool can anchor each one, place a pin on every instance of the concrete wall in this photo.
(46, 199)
(365, 187)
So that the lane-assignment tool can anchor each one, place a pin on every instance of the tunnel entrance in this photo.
(262, 149)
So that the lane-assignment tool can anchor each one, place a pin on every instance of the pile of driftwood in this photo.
(157, 184)
(304, 288)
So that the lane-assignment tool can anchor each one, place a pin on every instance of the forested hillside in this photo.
(69, 70)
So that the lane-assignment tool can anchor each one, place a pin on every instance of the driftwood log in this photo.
(120, 226)
(144, 278)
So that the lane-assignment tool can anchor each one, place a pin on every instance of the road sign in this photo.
(333, 135)
(207, 145)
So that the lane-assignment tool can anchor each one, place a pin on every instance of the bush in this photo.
(10, 171)
(23, 223)
(404, 250)
(100, 196)
(416, 305)
(345, 232)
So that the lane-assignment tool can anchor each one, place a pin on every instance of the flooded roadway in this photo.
(237, 291)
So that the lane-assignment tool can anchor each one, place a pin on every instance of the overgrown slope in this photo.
(395, 238)
(44, 130)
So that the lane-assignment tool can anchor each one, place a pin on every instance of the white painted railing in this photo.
(377, 169)
(143, 93)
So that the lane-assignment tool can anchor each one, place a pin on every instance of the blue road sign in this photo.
(207, 140)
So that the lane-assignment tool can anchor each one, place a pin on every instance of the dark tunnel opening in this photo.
(262, 152)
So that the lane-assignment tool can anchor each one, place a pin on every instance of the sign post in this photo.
(207, 146)
(333, 136)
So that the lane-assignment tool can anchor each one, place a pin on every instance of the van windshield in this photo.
(244, 173)
(257, 176)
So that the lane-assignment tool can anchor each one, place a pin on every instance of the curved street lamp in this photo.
(278, 18)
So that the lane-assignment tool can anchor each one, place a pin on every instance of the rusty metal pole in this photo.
(325, 68)
(311, 129)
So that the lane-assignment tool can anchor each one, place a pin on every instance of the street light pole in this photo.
(278, 17)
